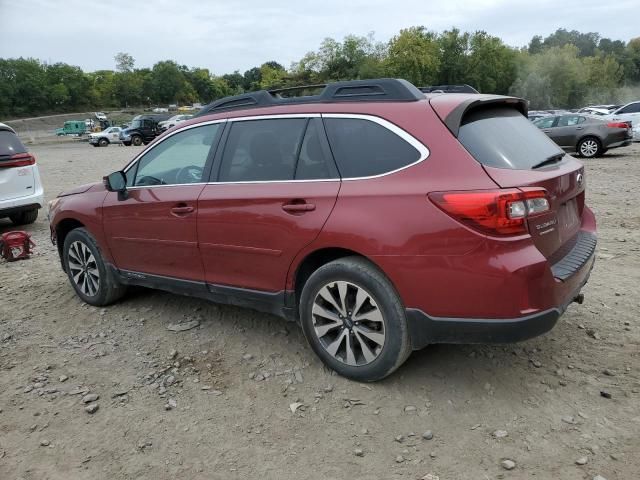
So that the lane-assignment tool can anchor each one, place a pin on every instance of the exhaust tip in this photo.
(579, 299)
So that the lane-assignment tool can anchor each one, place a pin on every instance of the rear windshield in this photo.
(10, 144)
(502, 137)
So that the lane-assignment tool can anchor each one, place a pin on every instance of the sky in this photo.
(225, 36)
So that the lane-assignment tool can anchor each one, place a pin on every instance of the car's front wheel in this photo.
(103, 142)
(136, 140)
(354, 319)
(93, 282)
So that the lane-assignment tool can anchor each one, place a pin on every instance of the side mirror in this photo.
(116, 182)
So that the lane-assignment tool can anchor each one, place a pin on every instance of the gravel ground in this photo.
(242, 396)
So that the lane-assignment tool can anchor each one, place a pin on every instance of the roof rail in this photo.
(464, 88)
(376, 90)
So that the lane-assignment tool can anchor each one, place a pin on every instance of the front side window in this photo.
(262, 150)
(364, 148)
(180, 159)
(545, 122)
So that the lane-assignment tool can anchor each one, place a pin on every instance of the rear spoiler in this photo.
(455, 116)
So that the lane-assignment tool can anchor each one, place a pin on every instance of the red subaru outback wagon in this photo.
(380, 218)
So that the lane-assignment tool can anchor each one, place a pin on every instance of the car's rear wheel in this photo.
(103, 142)
(136, 140)
(24, 218)
(354, 319)
(589, 147)
(92, 280)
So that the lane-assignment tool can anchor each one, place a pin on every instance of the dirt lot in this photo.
(229, 383)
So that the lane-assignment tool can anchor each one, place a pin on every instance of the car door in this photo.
(546, 124)
(114, 134)
(152, 228)
(568, 130)
(276, 186)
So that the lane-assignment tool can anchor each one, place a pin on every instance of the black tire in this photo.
(24, 218)
(361, 275)
(103, 142)
(589, 147)
(136, 140)
(107, 288)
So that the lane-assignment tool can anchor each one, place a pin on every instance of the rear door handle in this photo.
(298, 207)
(182, 209)
(579, 128)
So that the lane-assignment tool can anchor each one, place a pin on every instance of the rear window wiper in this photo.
(549, 160)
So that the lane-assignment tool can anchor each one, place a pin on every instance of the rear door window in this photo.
(10, 144)
(502, 137)
(262, 150)
(364, 148)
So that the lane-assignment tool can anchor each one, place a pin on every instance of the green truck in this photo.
(73, 127)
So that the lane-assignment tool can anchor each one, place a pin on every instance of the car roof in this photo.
(4, 126)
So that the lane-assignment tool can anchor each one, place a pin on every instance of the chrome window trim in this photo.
(410, 139)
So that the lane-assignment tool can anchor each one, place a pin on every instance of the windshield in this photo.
(502, 137)
(136, 124)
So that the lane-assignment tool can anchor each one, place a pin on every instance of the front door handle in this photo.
(298, 207)
(182, 209)
(579, 128)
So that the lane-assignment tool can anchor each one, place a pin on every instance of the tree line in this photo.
(566, 69)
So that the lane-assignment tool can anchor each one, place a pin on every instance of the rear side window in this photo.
(262, 150)
(10, 144)
(504, 138)
(363, 148)
(631, 108)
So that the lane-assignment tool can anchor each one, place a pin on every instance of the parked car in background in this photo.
(598, 109)
(73, 127)
(21, 193)
(536, 114)
(100, 115)
(173, 121)
(143, 129)
(628, 113)
(586, 135)
(160, 110)
(381, 225)
(105, 137)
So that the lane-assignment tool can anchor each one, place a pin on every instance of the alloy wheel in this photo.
(348, 323)
(589, 148)
(84, 269)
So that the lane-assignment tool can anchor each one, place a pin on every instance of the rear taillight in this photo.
(496, 212)
(619, 125)
(18, 160)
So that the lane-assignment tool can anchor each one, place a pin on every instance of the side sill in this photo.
(267, 302)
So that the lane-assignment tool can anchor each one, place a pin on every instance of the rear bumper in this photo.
(573, 270)
(5, 212)
(622, 143)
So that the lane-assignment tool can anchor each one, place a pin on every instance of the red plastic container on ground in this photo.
(15, 245)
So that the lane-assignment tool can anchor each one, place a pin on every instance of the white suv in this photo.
(21, 193)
